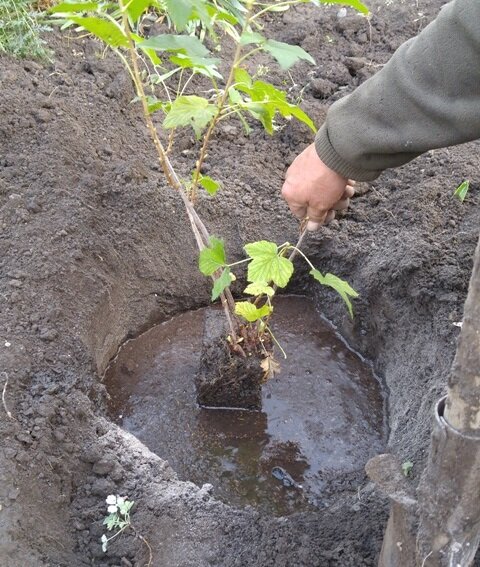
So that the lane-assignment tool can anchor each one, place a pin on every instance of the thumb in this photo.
(313, 225)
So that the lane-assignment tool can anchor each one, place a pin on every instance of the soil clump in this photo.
(226, 379)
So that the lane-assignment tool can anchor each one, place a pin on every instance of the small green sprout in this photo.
(462, 190)
(407, 467)
(118, 518)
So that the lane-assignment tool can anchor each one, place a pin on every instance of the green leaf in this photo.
(407, 467)
(70, 7)
(155, 104)
(266, 101)
(204, 65)
(212, 258)
(188, 44)
(125, 507)
(286, 54)
(210, 185)
(462, 190)
(235, 96)
(150, 53)
(135, 8)
(111, 521)
(234, 7)
(182, 11)
(248, 37)
(356, 4)
(179, 11)
(267, 265)
(259, 288)
(221, 284)
(243, 78)
(105, 30)
(251, 313)
(342, 287)
(190, 110)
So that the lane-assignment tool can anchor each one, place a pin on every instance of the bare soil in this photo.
(94, 249)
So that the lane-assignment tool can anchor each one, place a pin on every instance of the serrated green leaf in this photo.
(182, 11)
(221, 284)
(154, 104)
(190, 110)
(248, 37)
(462, 190)
(188, 44)
(235, 96)
(125, 507)
(243, 78)
(71, 7)
(179, 11)
(105, 30)
(111, 521)
(342, 287)
(204, 65)
(135, 8)
(259, 288)
(212, 258)
(210, 185)
(260, 249)
(286, 54)
(267, 265)
(151, 54)
(235, 8)
(251, 313)
(266, 100)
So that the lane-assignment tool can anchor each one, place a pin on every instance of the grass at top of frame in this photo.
(21, 23)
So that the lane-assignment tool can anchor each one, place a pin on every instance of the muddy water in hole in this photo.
(323, 415)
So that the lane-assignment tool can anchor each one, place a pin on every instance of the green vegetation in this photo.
(163, 69)
(462, 190)
(407, 467)
(118, 520)
(20, 28)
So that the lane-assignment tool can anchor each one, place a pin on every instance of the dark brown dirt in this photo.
(94, 249)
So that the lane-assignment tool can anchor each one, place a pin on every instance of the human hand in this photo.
(314, 191)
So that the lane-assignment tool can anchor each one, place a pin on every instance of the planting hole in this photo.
(322, 417)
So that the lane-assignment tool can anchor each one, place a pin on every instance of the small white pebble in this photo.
(7, 344)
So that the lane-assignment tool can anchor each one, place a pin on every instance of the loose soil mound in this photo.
(94, 249)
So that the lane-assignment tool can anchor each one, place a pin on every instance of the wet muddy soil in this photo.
(322, 416)
(94, 250)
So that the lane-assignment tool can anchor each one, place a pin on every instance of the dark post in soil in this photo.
(449, 492)
(226, 379)
(447, 508)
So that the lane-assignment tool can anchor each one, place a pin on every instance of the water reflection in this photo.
(322, 417)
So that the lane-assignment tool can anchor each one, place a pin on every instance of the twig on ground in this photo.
(7, 411)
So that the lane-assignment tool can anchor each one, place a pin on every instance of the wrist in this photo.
(334, 161)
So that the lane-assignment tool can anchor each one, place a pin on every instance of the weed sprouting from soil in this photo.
(118, 520)
(20, 28)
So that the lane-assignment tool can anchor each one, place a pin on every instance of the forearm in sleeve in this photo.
(427, 96)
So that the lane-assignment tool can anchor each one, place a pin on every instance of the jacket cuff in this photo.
(331, 159)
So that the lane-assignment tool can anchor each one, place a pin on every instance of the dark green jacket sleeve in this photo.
(427, 96)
